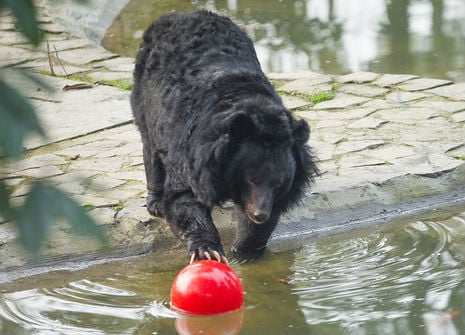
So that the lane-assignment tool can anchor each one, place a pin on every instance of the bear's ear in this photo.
(240, 126)
(301, 131)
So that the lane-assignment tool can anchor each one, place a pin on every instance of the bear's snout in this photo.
(259, 216)
(258, 206)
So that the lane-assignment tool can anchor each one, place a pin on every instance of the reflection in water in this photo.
(425, 37)
(405, 278)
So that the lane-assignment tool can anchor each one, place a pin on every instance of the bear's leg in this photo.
(155, 174)
(191, 221)
(252, 238)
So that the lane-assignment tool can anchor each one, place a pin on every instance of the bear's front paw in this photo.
(208, 254)
(154, 205)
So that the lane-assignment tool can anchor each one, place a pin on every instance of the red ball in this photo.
(206, 288)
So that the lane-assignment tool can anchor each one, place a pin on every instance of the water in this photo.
(423, 37)
(405, 277)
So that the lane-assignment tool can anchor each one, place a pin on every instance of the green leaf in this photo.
(17, 119)
(24, 12)
(43, 206)
(81, 223)
(6, 211)
(35, 217)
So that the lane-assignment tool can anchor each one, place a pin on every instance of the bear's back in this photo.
(199, 40)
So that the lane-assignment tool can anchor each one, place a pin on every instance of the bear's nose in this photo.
(260, 216)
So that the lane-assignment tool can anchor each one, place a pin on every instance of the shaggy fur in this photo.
(213, 128)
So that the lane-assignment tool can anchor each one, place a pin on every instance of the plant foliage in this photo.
(44, 204)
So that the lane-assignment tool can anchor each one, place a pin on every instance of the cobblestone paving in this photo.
(381, 140)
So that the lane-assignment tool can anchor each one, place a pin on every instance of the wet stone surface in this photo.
(382, 141)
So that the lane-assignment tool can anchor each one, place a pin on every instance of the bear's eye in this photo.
(252, 180)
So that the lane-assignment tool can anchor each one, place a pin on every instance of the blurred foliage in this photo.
(44, 204)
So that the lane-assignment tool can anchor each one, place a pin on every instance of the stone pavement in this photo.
(387, 145)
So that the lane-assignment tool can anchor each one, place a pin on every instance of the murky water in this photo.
(424, 37)
(399, 278)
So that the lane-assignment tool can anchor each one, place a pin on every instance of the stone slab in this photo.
(421, 84)
(85, 55)
(66, 114)
(363, 90)
(307, 86)
(358, 77)
(454, 91)
(388, 80)
(292, 102)
(341, 101)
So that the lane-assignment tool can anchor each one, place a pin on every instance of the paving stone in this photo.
(421, 84)
(108, 76)
(290, 76)
(102, 164)
(388, 80)
(113, 107)
(361, 175)
(103, 215)
(330, 124)
(302, 86)
(341, 101)
(10, 38)
(406, 114)
(428, 164)
(459, 117)
(323, 151)
(36, 162)
(14, 55)
(358, 77)
(356, 160)
(105, 183)
(367, 122)
(454, 91)
(356, 146)
(363, 90)
(51, 27)
(118, 64)
(68, 44)
(41, 172)
(85, 55)
(130, 175)
(81, 177)
(43, 65)
(443, 106)
(91, 149)
(327, 167)
(95, 200)
(382, 104)
(332, 137)
(75, 187)
(401, 97)
(343, 114)
(292, 102)
(391, 152)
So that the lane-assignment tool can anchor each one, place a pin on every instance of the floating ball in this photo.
(207, 288)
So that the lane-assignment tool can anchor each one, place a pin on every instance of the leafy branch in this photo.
(44, 204)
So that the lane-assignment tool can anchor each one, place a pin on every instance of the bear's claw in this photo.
(209, 255)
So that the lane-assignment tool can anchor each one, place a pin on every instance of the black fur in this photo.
(213, 128)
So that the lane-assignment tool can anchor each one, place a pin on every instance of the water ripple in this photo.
(380, 276)
(82, 307)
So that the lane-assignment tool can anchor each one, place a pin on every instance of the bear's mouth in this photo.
(257, 216)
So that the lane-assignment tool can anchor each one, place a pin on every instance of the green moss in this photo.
(122, 84)
(321, 96)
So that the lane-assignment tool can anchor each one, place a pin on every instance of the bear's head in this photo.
(256, 156)
(269, 162)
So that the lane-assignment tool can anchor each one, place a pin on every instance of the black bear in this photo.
(213, 128)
